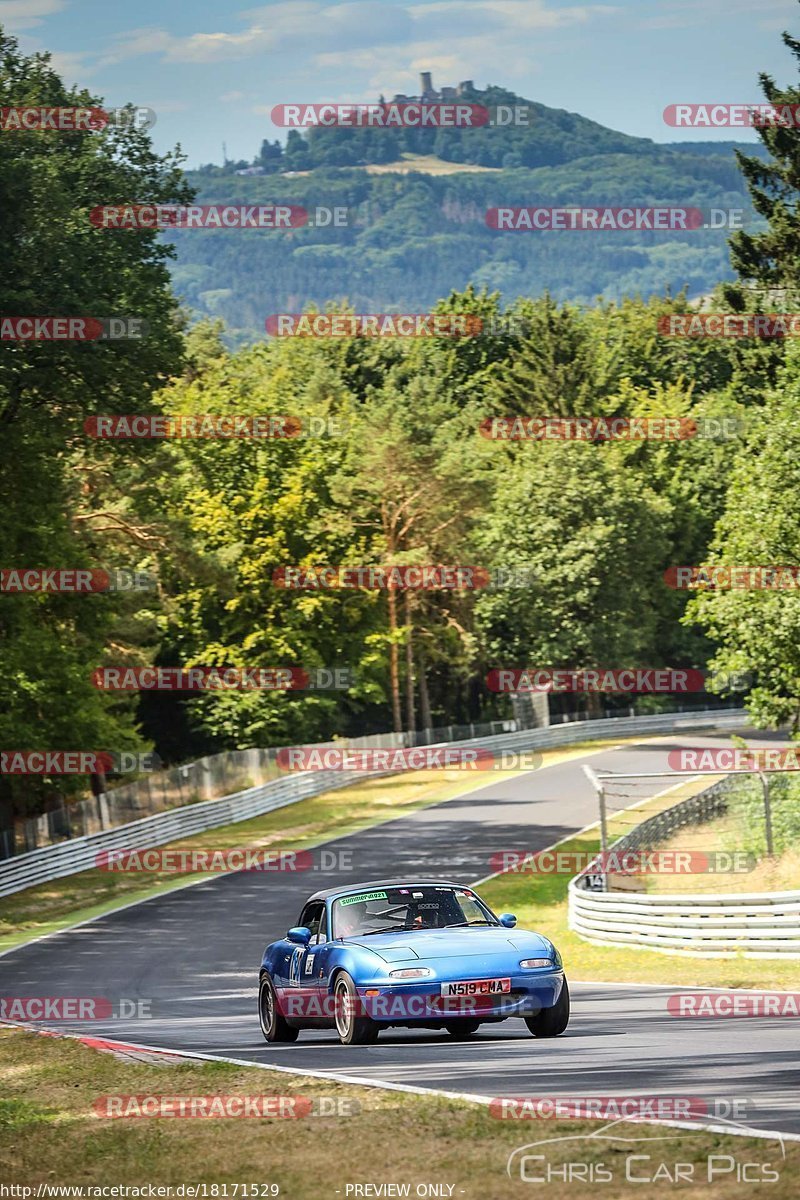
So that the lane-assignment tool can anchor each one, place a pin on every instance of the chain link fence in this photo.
(211, 778)
(704, 924)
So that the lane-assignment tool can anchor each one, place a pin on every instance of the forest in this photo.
(389, 465)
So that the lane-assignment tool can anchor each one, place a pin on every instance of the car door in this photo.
(319, 961)
(301, 967)
(317, 965)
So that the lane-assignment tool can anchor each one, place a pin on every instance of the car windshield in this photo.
(407, 908)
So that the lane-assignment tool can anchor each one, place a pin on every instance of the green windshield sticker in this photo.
(366, 896)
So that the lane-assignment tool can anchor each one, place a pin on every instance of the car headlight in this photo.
(411, 973)
(536, 962)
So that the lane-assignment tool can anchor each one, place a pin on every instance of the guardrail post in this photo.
(601, 798)
(597, 783)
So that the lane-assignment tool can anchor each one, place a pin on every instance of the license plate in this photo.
(477, 987)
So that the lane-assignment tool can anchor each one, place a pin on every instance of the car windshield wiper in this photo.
(457, 924)
(397, 929)
(369, 932)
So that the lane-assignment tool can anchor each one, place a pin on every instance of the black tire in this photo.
(353, 1028)
(550, 1022)
(273, 1025)
(461, 1030)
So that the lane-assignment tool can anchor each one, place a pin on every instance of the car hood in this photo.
(453, 943)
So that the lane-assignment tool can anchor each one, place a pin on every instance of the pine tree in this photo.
(772, 258)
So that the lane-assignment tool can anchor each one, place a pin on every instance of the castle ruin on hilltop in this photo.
(428, 91)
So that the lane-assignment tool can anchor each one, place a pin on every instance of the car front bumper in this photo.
(407, 1003)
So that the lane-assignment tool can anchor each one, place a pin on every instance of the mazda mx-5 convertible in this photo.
(424, 954)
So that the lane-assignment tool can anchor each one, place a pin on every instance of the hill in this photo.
(418, 226)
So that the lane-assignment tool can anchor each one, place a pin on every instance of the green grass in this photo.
(56, 1137)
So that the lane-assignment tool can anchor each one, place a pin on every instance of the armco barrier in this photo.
(713, 925)
(79, 854)
(215, 776)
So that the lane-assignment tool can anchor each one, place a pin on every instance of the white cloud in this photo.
(27, 14)
(231, 97)
(73, 68)
(347, 26)
(345, 32)
(135, 43)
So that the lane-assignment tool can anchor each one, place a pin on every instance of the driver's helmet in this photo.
(351, 918)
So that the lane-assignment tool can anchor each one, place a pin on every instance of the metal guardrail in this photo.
(212, 777)
(80, 854)
(755, 925)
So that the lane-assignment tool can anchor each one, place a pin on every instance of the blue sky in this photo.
(214, 74)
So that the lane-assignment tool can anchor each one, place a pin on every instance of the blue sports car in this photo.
(425, 954)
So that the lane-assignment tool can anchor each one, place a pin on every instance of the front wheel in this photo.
(353, 1027)
(550, 1022)
(273, 1026)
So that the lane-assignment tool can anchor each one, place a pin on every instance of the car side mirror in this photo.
(299, 935)
(508, 920)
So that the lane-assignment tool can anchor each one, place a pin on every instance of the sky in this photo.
(213, 74)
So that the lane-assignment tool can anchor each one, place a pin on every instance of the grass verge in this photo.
(50, 1134)
(778, 874)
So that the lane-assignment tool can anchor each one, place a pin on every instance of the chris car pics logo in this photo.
(619, 1153)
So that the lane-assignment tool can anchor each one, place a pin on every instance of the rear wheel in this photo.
(273, 1026)
(460, 1030)
(353, 1027)
(550, 1022)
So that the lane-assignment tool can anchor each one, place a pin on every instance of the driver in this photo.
(350, 919)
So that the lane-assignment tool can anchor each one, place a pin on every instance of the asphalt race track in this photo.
(194, 956)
